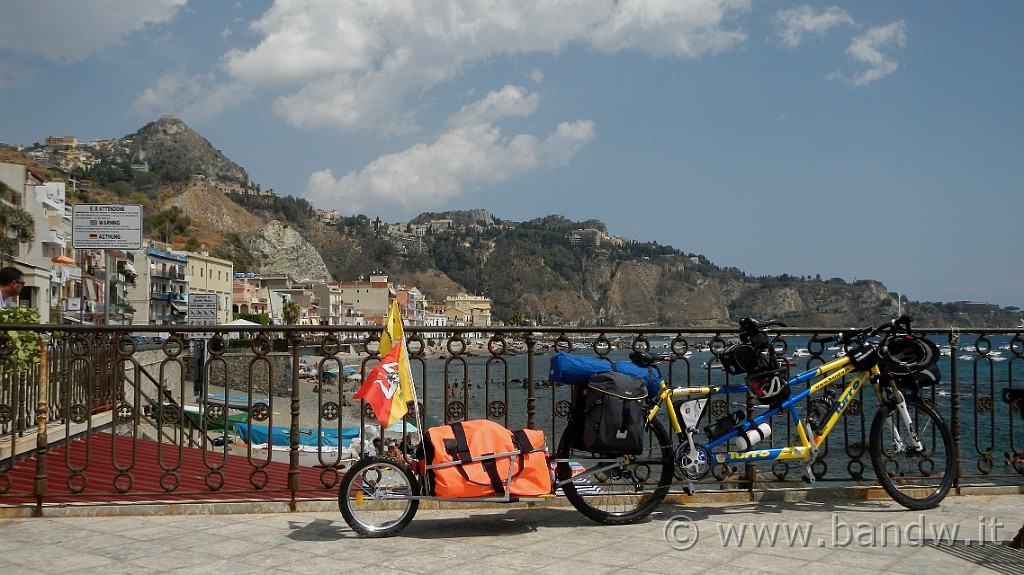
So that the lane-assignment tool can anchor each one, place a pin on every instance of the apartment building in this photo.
(51, 276)
(372, 297)
(468, 310)
(210, 275)
(160, 293)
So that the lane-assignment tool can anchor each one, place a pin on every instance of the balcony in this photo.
(55, 238)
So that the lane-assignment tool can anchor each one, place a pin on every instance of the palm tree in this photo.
(290, 311)
(16, 226)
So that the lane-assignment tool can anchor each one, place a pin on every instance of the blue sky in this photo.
(871, 139)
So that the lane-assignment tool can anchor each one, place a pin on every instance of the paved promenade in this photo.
(961, 537)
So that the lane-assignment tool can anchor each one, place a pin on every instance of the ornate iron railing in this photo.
(266, 412)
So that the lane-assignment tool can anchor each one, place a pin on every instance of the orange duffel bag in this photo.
(479, 457)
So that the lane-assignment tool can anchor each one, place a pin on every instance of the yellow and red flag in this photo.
(388, 387)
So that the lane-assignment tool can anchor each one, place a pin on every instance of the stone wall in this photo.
(270, 375)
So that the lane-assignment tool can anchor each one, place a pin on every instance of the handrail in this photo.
(470, 372)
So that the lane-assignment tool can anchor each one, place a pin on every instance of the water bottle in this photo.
(747, 439)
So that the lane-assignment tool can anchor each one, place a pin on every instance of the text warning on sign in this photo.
(106, 226)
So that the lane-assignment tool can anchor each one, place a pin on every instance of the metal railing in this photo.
(266, 412)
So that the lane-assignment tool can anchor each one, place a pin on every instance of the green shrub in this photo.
(24, 345)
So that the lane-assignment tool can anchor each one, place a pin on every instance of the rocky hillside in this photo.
(169, 143)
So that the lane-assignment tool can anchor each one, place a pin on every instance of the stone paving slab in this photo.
(962, 536)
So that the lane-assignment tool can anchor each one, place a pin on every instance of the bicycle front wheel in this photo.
(374, 496)
(613, 492)
(915, 478)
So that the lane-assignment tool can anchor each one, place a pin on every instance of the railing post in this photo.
(531, 397)
(954, 408)
(42, 445)
(293, 435)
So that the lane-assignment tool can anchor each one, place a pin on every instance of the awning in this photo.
(179, 307)
(128, 266)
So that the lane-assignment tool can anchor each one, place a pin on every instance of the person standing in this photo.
(11, 281)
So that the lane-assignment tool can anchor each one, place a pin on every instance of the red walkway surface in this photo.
(144, 479)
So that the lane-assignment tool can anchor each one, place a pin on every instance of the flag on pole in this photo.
(388, 387)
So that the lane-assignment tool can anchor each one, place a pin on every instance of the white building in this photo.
(48, 283)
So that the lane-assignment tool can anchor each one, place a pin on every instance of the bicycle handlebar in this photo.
(901, 323)
(749, 325)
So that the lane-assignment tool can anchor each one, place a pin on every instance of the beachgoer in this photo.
(11, 281)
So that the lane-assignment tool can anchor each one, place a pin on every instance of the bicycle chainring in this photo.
(692, 468)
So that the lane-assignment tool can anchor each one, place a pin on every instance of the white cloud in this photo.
(471, 155)
(355, 65)
(63, 31)
(192, 98)
(795, 23)
(510, 101)
(681, 28)
(869, 49)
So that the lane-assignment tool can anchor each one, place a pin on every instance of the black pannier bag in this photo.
(613, 415)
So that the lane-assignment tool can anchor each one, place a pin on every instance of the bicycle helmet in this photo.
(905, 353)
(769, 387)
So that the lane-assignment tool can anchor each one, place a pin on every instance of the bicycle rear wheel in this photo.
(916, 479)
(616, 494)
(374, 496)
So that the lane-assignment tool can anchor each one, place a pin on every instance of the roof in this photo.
(148, 466)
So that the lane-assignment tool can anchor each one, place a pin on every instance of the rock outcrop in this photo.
(279, 249)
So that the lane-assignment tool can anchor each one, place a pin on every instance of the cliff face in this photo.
(279, 249)
(672, 291)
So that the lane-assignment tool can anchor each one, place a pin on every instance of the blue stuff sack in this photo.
(576, 370)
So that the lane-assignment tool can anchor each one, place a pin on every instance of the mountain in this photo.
(168, 144)
(549, 271)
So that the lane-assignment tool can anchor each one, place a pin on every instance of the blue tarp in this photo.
(327, 437)
(236, 398)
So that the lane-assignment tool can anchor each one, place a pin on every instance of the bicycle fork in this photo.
(900, 445)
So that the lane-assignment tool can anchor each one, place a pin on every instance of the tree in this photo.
(16, 226)
(290, 312)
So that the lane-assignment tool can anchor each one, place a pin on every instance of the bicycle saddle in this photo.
(641, 358)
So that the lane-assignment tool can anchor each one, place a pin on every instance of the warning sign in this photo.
(106, 226)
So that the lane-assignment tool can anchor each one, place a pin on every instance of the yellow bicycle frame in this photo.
(808, 445)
